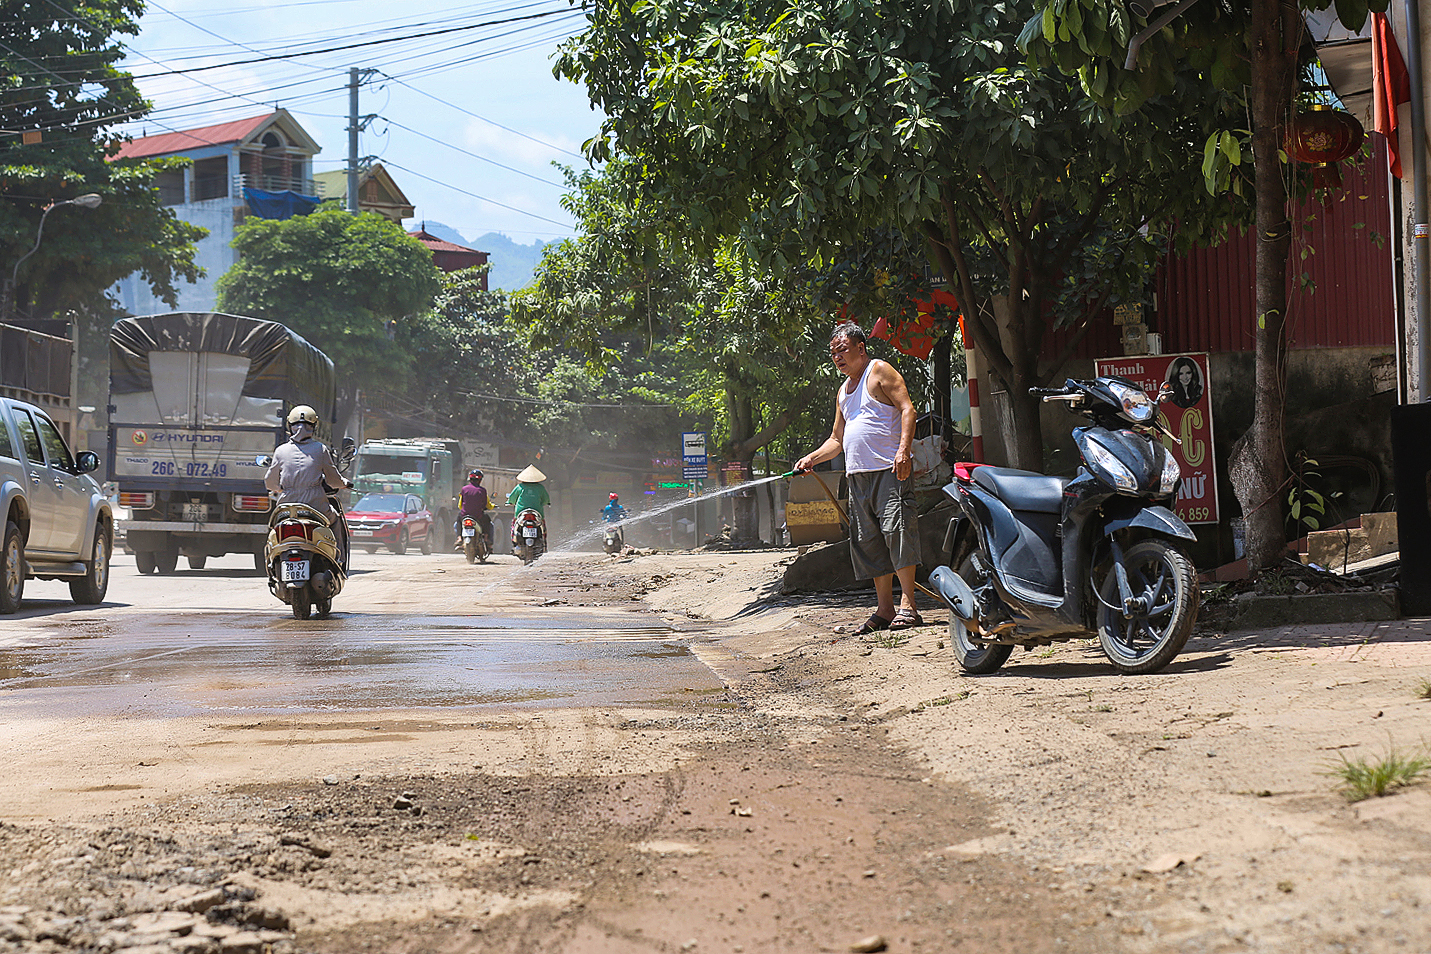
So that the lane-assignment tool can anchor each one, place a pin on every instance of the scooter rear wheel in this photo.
(302, 605)
(323, 608)
(469, 549)
(975, 658)
(1149, 639)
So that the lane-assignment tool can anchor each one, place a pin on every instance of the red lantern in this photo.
(1323, 137)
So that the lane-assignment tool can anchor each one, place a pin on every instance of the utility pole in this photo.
(356, 124)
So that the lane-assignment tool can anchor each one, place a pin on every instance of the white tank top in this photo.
(871, 428)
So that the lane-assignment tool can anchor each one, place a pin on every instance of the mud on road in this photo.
(835, 794)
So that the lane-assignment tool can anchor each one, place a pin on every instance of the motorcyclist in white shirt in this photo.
(302, 466)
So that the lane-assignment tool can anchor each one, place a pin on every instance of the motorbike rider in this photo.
(476, 501)
(301, 467)
(613, 512)
(529, 494)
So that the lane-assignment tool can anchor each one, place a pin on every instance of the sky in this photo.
(468, 115)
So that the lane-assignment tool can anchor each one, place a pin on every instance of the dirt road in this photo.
(824, 793)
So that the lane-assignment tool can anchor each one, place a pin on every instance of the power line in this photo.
(469, 112)
(514, 400)
(353, 46)
(501, 205)
(474, 155)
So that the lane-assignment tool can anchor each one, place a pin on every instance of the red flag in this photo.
(915, 336)
(1391, 86)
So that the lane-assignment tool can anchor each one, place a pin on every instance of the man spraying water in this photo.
(874, 426)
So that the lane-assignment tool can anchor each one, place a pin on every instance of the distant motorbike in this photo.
(1034, 559)
(615, 538)
(303, 556)
(529, 535)
(474, 541)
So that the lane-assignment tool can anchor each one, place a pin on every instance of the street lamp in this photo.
(89, 200)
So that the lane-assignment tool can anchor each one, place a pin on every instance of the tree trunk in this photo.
(1018, 409)
(1258, 464)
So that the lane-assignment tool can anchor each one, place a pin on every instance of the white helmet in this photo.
(303, 413)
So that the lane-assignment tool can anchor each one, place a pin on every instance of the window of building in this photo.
(211, 178)
(170, 184)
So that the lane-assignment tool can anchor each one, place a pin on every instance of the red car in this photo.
(390, 520)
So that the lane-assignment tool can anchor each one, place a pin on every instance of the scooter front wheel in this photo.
(1164, 586)
(975, 658)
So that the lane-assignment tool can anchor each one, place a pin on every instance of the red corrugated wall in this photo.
(1205, 298)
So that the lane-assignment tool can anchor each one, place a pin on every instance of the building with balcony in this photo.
(377, 192)
(261, 165)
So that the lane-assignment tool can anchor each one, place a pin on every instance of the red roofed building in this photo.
(271, 153)
(449, 256)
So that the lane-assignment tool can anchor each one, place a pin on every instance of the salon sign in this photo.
(1187, 412)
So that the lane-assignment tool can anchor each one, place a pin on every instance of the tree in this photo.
(798, 126)
(345, 282)
(744, 340)
(60, 93)
(1259, 46)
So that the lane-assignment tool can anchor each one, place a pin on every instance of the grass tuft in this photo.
(1372, 778)
(1423, 689)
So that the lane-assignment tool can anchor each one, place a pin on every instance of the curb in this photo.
(1256, 612)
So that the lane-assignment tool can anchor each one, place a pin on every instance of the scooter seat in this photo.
(1023, 489)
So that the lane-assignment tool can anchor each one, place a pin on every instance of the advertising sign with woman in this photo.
(1186, 412)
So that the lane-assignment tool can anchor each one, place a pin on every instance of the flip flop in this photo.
(906, 619)
(874, 624)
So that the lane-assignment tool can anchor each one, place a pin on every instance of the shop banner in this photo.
(1187, 413)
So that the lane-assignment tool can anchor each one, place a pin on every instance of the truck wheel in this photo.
(197, 562)
(259, 563)
(144, 560)
(12, 569)
(90, 588)
(166, 560)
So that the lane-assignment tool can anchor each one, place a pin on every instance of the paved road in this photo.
(412, 634)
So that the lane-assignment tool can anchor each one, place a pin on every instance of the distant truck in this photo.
(194, 399)
(430, 467)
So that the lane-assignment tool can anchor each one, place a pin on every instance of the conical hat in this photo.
(531, 475)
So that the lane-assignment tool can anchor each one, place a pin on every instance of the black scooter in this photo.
(1044, 558)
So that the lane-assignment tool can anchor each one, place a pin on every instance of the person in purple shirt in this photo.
(476, 502)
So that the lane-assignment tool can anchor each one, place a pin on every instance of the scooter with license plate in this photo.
(306, 554)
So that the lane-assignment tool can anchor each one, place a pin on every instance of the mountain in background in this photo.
(512, 264)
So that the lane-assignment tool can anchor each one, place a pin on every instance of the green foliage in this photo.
(1306, 506)
(59, 80)
(796, 129)
(744, 344)
(479, 375)
(344, 282)
(1364, 778)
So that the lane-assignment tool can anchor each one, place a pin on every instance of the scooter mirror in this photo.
(263, 460)
(348, 449)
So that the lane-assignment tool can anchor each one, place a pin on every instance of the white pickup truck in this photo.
(57, 523)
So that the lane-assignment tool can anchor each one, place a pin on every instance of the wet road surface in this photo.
(215, 641)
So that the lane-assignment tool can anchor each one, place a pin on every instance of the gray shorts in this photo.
(884, 524)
